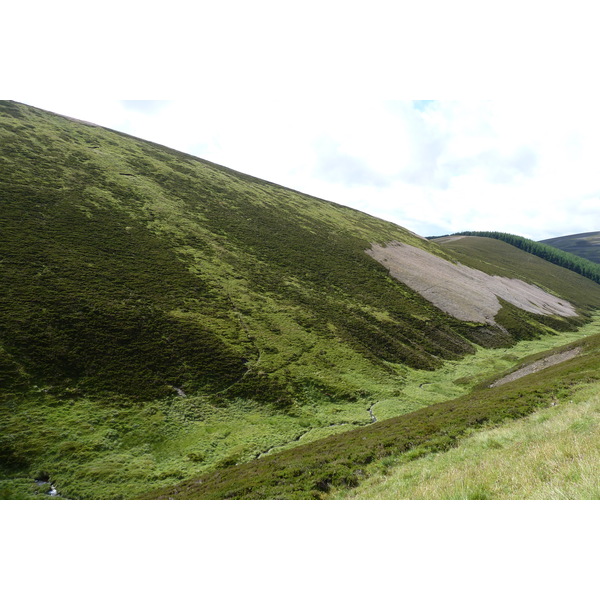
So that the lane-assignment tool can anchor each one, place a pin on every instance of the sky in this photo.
(435, 167)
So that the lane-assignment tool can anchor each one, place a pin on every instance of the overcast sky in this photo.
(435, 167)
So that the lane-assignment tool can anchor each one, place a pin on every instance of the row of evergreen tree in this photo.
(570, 261)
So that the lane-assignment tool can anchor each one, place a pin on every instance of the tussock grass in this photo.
(345, 460)
(551, 455)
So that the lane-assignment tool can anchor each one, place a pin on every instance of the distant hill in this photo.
(549, 253)
(586, 245)
(162, 316)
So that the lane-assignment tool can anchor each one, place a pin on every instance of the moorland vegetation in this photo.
(551, 253)
(165, 319)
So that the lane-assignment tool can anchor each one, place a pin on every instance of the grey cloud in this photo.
(337, 167)
(421, 105)
(431, 165)
(428, 145)
(145, 106)
(430, 170)
(500, 169)
(525, 161)
(426, 169)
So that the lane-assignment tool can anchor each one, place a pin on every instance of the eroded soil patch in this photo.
(465, 293)
(538, 365)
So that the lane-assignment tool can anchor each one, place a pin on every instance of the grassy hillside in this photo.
(552, 254)
(125, 259)
(358, 464)
(163, 316)
(585, 245)
(552, 454)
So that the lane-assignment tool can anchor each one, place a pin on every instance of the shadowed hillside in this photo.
(135, 269)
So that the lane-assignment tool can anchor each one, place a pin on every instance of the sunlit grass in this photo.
(553, 454)
(457, 377)
(107, 451)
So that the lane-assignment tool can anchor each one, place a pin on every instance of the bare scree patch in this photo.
(464, 293)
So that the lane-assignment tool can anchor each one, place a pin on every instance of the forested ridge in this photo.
(558, 257)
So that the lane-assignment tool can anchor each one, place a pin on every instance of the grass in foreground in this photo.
(551, 455)
(96, 449)
(317, 469)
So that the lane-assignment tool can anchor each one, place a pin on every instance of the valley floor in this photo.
(551, 455)
(88, 449)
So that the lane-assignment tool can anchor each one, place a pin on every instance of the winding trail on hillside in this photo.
(538, 365)
(305, 433)
(296, 439)
(246, 328)
(253, 365)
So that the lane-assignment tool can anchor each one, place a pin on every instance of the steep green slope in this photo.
(124, 259)
(584, 245)
(162, 315)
